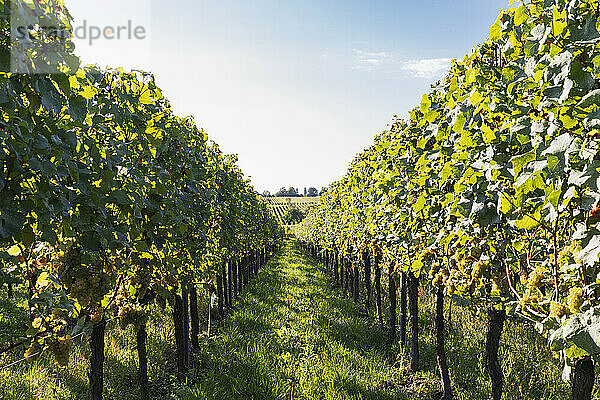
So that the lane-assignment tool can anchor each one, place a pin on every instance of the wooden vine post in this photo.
(440, 349)
(141, 337)
(403, 311)
(393, 304)
(495, 325)
(413, 303)
(366, 256)
(378, 308)
(96, 374)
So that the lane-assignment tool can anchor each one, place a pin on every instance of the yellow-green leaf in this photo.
(521, 15)
(488, 134)
(14, 250)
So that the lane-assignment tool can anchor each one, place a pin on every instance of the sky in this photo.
(295, 88)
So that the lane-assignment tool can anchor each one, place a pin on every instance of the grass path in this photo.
(293, 337)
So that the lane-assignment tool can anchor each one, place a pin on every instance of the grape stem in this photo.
(115, 293)
(510, 284)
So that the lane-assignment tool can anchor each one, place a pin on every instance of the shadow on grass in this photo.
(290, 337)
(14, 315)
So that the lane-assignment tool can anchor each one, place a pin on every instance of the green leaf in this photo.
(553, 162)
(43, 280)
(146, 97)
(476, 98)
(416, 266)
(589, 254)
(132, 290)
(425, 104)
(579, 332)
(91, 241)
(35, 164)
(559, 145)
(505, 204)
(589, 32)
(592, 121)
(584, 79)
(40, 142)
(519, 245)
(488, 134)
(78, 107)
(120, 198)
(70, 138)
(79, 326)
(50, 96)
(4, 98)
(589, 99)
(559, 21)
(141, 245)
(553, 196)
(529, 182)
(558, 70)
(466, 139)
(27, 236)
(519, 162)
(589, 173)
(568, 122)
(528, 221)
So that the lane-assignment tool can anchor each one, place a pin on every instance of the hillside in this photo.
(279, 205)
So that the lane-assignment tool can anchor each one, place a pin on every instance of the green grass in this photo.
(41, 379)
(292, 336)
(529, 368)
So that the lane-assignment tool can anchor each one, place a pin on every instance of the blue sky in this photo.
(296, 89)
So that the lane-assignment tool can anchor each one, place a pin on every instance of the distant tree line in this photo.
(293, 192)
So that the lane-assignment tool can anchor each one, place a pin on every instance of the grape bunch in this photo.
(533, 283)
(61, 349)
(55, 322)
(88, 283)
(558, 309)
(476, 274)
(569, 254)
(435, 268)
(440, 278)
(96, 314)
(91, 289)
(143, 275)
(498, 283)
(132, 314)
(535, 279)
(530, 298)
(478, 268)
(160, 302)
(71, 268)
(426, 255)
(575, 299)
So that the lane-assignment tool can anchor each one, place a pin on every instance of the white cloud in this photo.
(369, 59)
(372, 61)
(427, 68)
(361, 53)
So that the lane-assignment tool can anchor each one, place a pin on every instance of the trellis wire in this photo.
(41, 351)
